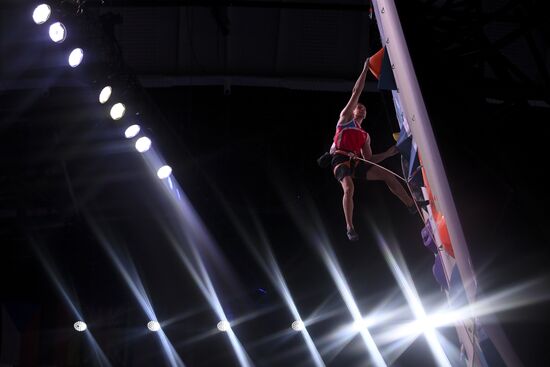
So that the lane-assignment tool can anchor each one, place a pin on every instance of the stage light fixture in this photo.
(132, 131)
(75, 58)
(80, 326)
(164, 171)
(223, 325)
(153, 325)
(58, 33)
(298, 325)
(41, 13)
(117, 111)
(143, 144)
(105, 94)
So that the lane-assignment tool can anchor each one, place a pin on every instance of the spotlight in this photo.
(58, 32)
(153, 326)
(117, 111)
(41, 13)
(76, 56)
(80, 326)
(164, 171)
(105, 94)
(132, 131)
(223, 325)
(298, 325)
(143, 144)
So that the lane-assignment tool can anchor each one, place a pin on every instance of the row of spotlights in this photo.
(117, 112)
(142, 144)
(58, 33)
(223, 325)
(81, 326)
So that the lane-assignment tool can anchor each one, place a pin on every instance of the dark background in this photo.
(245, 150)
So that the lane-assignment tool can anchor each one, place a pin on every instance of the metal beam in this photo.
(231, 3)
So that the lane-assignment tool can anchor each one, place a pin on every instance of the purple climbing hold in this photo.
(439, 272)
(428, 238)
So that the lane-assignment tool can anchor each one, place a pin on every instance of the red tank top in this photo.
(350, 137)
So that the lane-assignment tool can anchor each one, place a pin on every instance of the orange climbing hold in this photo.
(375, 63)
(438, 217)
(444, 235)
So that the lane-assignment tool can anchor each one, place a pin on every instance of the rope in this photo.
(405, 168)
(402, 179)
(379, 166)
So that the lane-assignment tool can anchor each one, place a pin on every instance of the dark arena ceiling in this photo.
(240, 98)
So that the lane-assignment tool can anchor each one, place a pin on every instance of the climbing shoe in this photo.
(352, 235)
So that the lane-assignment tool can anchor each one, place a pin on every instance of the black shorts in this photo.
(350, 167)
